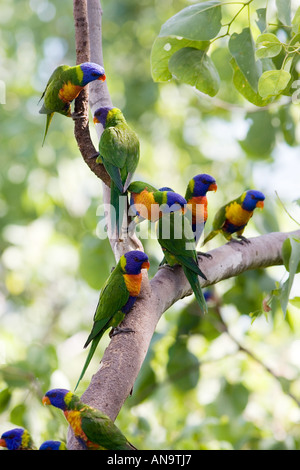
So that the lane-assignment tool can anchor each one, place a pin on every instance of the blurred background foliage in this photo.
(226, 381)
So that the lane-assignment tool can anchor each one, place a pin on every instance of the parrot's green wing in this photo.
(180, 247)
(101, 430)
(113, 297)
(180, 243)
(55, 76)
(217, 224)
(139, 186)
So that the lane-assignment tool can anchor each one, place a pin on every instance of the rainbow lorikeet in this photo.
(234, 216)
(117, 297)
(53, 445)
(64, 86)
(176, 238)
(91, 427)
(119, 151)
(149, 203)
(196, 199)
(17, 439)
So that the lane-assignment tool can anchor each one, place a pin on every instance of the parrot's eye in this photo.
(94, 74)
(136, 259)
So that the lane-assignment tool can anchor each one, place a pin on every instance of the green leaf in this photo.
(273, 83)
(291, 258)
(5, 397)
(296, 21)
(260, 139)
(182, 366)
(242, 48)
(94, 254)
(268, 45)
(262, 19)
(199, 22)
(284, 11)
(17, 415)
(287, 125)
(162, 51)
(295, 301)
(244, 88)
(194, 67)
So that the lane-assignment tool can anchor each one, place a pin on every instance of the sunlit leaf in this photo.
(273, 82)
(199, 22)
(194, 67)
(242, 48)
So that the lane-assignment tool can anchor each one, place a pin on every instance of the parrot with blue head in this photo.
(53, 445)
(196, 198)
(233, 217)
(119, 152)
(91, 427)
(17, 439)
(116, 299)
(64, 86)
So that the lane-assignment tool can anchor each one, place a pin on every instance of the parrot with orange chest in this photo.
(91, 427)
(117, 297)
(234, 216)
(64, 86)
(196, 199)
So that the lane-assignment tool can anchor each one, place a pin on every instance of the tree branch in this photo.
(123, 358)
(81, 126)
(112, 383)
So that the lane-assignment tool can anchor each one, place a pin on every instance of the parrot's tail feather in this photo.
(210, 236)
(49, 119)
(89, 358)
(119, 201)
(195, 285)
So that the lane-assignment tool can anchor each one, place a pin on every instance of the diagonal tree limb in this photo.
(110, 386)
(112, 383)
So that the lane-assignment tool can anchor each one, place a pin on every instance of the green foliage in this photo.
(203, 22)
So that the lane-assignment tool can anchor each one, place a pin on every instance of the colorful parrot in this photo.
(117, 297)
(176, 238)
(91, 427)
(64, 86)
(119, 151)
(139, 194)
(53, 445)
(17, 439)
(149, 203)
(195, 196)
(234, 216)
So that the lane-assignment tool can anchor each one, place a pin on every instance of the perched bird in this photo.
(53, 445)
(175, 236)
(64, 86)
(119, 151)
(139, 195)
(195, 196)
(117, 297)
(91, 427)
(17, 439)
(234, 216)
(149, 203)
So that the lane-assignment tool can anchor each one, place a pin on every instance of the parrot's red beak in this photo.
(2, 443)
(260, 204)
(102, 78)
(95, 120)
(146, 265)
(46, 401)
(213, 187)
